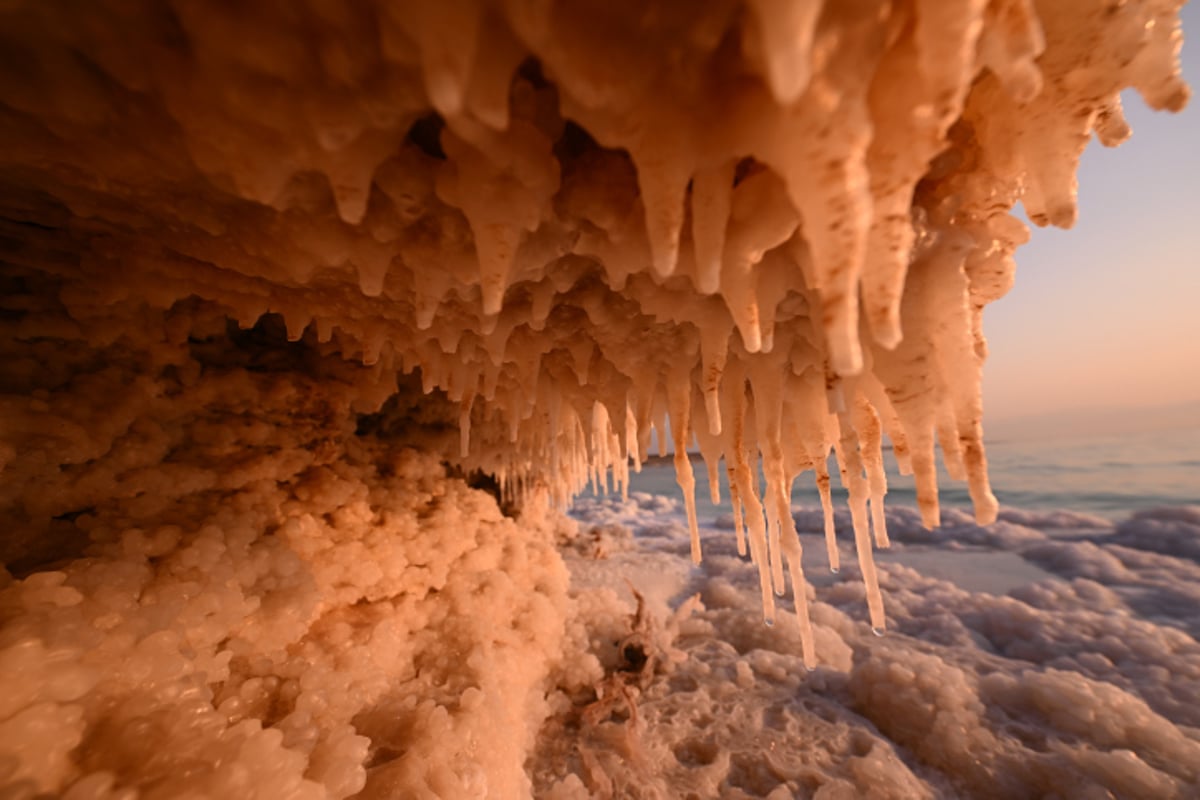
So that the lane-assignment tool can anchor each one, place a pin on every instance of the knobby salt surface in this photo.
(1081, 684)
(280, 282)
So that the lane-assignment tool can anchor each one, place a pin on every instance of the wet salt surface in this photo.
(972, 570)
(1052, 654)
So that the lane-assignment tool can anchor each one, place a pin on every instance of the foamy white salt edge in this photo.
(1078, 685)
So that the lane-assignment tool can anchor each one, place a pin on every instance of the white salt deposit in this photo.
(1068, 687)
(278, 283)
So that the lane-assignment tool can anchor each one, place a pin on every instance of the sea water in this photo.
(1110, 476)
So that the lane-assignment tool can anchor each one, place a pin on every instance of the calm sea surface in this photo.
(1110, 476)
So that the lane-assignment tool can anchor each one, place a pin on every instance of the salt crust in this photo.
(1068, 688)
(265, 602)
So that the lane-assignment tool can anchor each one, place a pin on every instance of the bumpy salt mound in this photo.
(274, 595)
(774, 225)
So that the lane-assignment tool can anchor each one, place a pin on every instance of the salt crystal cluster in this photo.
(769, 228)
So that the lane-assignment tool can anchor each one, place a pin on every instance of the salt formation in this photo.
(769, 228)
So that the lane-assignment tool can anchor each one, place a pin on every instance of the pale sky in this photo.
(1107, 314)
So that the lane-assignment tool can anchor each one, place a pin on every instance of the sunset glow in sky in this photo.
(1107, 314)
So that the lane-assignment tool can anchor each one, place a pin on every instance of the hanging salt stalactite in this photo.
(679, 399)
(851, 465)
(735, 410)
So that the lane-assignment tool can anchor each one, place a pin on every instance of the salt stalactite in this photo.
(866, 422)
(712, 191)
(679, 400)
(769, 229)
(850, 460)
